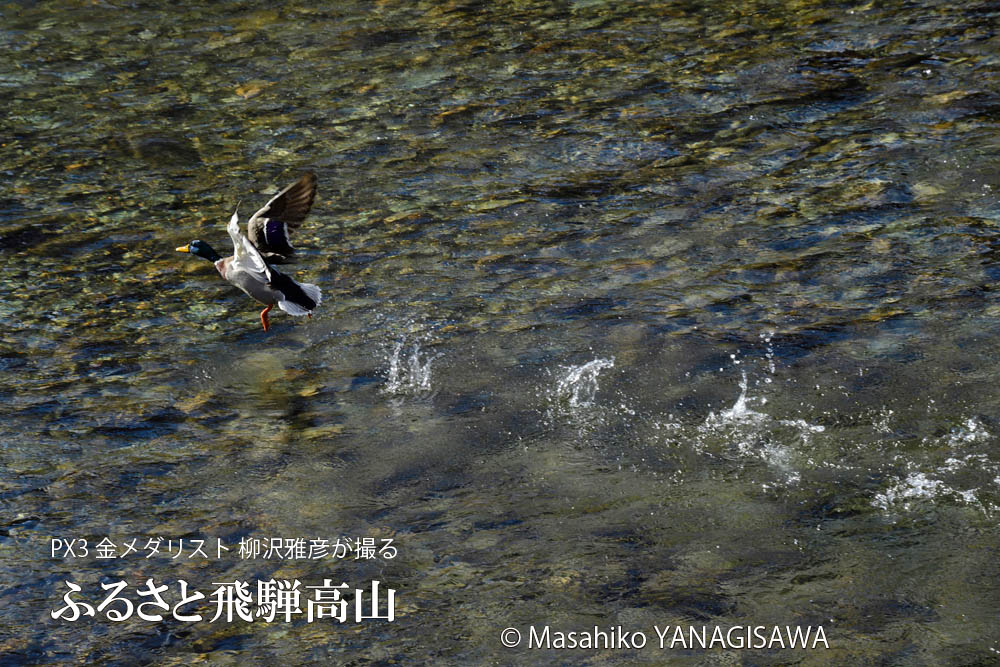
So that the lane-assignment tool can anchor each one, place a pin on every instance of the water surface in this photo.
(635, 314)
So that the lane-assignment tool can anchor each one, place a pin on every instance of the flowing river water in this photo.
(635, 315)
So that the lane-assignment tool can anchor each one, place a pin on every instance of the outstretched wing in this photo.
(269, 227)
(245, 256)
(292, 204)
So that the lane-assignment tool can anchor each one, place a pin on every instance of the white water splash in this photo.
(739, 412)
(742, 413)
(769, 355)
(573, 398)
(959, 477)
(756, 434)
(971, 431)
(409, 372)
(578, 385)
(904, 492)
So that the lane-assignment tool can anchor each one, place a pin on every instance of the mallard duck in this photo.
(250, 267)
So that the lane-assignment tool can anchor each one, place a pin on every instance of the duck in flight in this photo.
(251, 266)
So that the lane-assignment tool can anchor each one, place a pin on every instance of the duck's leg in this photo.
(264, 319)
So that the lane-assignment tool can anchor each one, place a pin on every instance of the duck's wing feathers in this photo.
(292, 204)
(269, 227)
(246, 257)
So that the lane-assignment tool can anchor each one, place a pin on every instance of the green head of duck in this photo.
(201, 249)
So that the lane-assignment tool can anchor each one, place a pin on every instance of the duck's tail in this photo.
(300, 298)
